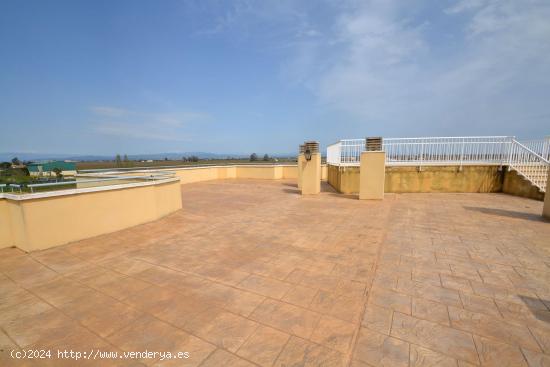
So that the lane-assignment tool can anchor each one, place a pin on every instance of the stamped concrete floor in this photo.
(250, 273)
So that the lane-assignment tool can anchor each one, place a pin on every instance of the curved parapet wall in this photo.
(48, 219)
(43, 220)
(207, 173)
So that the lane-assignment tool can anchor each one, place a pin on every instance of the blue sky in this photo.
(101, 77)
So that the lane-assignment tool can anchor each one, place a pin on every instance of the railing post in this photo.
(462, 152)
(421, 155)
(510, 148)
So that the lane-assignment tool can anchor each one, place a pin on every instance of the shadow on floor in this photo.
(325, 188)
(345, 196)
(290, 184)
(292, 191)
(536, 307)
(507, 213)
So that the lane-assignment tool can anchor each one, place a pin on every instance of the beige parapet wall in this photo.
(84, 181)
(408, 179)
(546, 206)
(207, 173)
(43, 220)
(263, 172)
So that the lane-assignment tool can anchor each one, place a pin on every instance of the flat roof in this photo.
(251, 273)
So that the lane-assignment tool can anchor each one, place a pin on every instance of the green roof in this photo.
(49, 166)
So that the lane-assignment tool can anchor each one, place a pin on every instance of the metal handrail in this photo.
(531, 152)
(529, 164)
(539, 146)
(420, 151)
(96, 180)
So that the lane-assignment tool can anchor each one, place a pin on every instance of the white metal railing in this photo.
(427, 151)
(540, 146)
(346, 152)
(530, 159)
(334, 154)
(529, 164)
(105, 179)
(447, 150)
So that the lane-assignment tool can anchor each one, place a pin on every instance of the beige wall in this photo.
(48, 221)
(444, 179)
(6, 235)
(299, 168)
(439, 179)
(311, 175)
(190, 175)
(372, 175)
(429, 179)
(546, 206)
(344, 179)
(516, 185)
(80, 184)
(259, 172)
(262, 172)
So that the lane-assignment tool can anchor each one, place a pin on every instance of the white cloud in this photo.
(385, 67)
(412, 68)
(464, 5)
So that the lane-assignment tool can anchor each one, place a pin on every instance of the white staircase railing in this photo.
(540, 146)
(529, 164)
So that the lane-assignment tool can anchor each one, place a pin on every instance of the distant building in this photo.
(46, 168)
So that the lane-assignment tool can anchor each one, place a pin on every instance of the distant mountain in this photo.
(201, 155)
(155, 156)
(7, 156)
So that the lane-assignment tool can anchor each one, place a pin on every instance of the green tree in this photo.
(15, 161)
(253, 157)
(118, 160)
(266, 158)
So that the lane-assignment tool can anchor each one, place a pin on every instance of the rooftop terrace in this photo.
(251, 273)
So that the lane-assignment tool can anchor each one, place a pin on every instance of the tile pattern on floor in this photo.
(250, 273)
